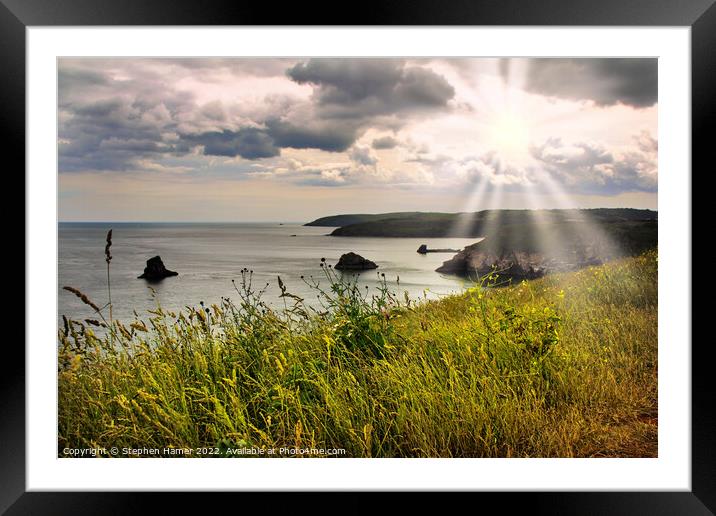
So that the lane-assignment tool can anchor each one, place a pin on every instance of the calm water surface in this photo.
(208, 256)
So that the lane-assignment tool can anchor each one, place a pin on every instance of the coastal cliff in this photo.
(479, 260)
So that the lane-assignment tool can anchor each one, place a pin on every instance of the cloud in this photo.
(384, 142)
(158, 115)
(360, 169)
(214, 111)
(249, 143)
(116, 114)
(329, 174)
(629, 81)
(69, 79)
(359, 88)
(211, 67)
(327, 135)
(488, 168)
(362, 156)
(585, 167)
(647, 143)
(577, 167)
(107, 135)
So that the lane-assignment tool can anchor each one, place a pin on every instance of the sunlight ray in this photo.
(466, 218)
(592, 241)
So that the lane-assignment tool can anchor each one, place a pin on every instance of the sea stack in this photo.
(156, 271)
(354, 262)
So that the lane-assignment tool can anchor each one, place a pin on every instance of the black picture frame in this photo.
(17, 15)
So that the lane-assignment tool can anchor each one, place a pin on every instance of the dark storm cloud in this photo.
(385, 142)
(350, 95)
(249, 143)
(107, 135)
(420, 87)
(327, 135)
(607, 81)
(344, 80)
(355, 88)
(115, 113)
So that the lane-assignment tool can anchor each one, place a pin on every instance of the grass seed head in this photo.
(82, 297)
(107, 253)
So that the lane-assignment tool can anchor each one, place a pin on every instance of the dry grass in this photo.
(565, 366)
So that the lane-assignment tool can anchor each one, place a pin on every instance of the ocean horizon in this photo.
(209, 255)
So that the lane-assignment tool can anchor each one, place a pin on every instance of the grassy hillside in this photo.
(358, 218)
(559, 367)
(435, 225)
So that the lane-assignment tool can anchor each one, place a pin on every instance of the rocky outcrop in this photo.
(156, 271)
(354, 262)
(473, 261)
(479, 260)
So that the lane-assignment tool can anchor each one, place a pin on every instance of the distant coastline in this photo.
(524, 244)
(473, 225)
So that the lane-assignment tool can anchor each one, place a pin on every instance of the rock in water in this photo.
(155, 270)
(474, 260)
(354, 262)
(423, 249)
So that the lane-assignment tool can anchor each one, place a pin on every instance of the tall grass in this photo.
(564, 366)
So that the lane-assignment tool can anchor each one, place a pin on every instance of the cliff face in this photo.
(479, 260)
(474, 261)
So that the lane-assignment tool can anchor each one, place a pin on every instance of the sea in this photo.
(208, 256)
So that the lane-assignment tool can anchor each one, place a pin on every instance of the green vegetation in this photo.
(356, 218)
(559, 367)
(490, 222)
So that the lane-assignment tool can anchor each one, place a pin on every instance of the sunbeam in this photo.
(466, 218)
(590, 242)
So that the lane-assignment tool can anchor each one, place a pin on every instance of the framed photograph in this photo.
(419, 252)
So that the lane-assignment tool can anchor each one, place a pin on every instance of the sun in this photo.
(509, 133)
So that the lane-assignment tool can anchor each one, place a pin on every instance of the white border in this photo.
(670, 471)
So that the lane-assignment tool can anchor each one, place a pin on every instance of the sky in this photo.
(258, 139)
